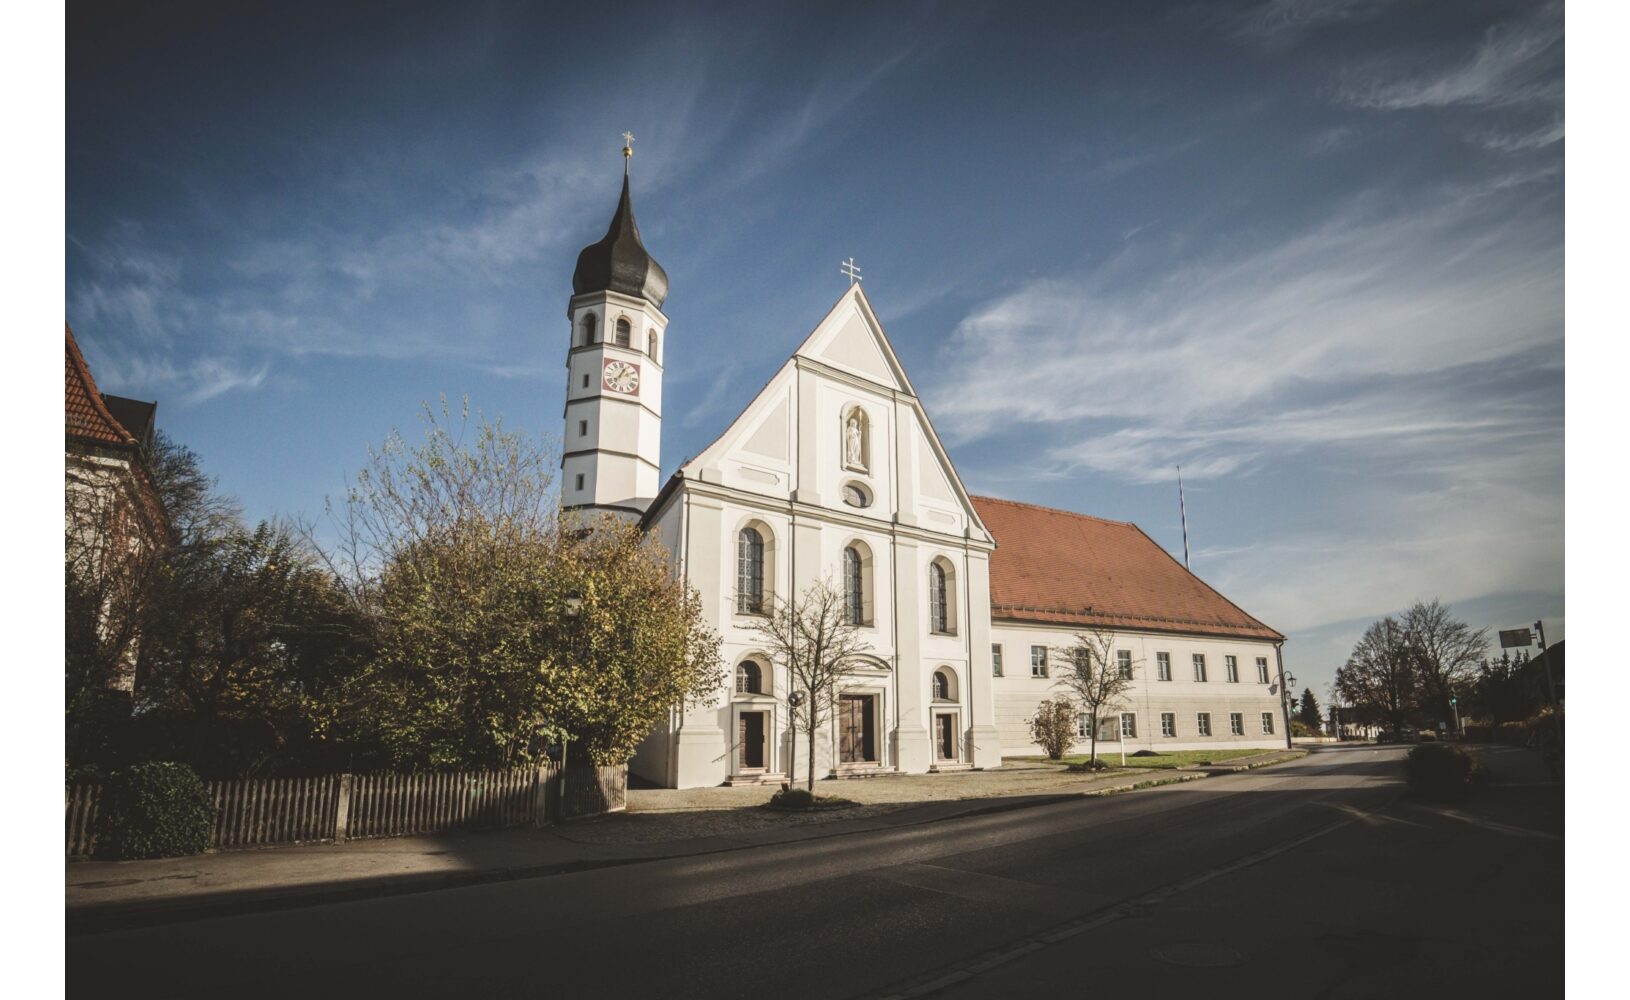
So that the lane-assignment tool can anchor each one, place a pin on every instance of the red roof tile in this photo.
(86, 415)
(1054, 567)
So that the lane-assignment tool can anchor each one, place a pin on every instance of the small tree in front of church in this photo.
(1053, 727)
(1097, 678)
(812, 636)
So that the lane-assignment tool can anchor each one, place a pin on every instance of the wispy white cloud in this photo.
(1278, 21)
(1518, 142)
(1515, 63)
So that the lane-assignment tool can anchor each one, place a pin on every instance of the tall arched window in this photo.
(588, 329)
(624, 333)
(939, 599)
(942, 686)
(749, 678)
(750, 572)
(651, 345)
(854, 587)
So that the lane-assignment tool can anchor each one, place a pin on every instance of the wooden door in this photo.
(946, 726)
(751, 739)
(856, 715)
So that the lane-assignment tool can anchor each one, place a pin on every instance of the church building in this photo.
(834, 472)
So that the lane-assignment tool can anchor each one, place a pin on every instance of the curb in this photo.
(98, 918)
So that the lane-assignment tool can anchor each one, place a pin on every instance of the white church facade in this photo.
(833, 472)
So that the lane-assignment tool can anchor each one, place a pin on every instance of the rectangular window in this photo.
(1199, 666)
(582, 428)
(1168, 723)
(1163, 666)
(1267, 723)
(1129, 726)
(1203, 722)
(1232, 663)
(1083, 727)
(1262, 670)
(1236, 723)
(996, 659)
(1038, 661)
(579, 481)
(585, 381)
(1081, 660)
(1123, 663)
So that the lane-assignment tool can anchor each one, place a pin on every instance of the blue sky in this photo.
(1311, 251)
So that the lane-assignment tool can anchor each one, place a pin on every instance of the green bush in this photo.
(155, 810)
(1443, 771)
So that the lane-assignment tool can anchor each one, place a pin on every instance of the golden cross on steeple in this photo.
(628, 149)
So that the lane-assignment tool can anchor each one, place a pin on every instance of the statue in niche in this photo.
(854, 442)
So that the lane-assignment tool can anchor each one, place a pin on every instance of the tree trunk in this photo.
(1092, 754)
(812, 747)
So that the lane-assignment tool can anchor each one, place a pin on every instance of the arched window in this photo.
(854, 587)
(651, 345)
(942, 686)
(749, 678)
(624, 333)
(939, 599)
(750, 572)
(588, 329)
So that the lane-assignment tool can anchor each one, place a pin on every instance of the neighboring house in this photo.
(834, 471)
(1204, 673)
(112, 517)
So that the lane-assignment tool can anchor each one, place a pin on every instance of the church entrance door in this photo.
(856, 718)
(945, 736)
(751, 740)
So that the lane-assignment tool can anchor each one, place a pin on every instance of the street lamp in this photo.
(1285, 682)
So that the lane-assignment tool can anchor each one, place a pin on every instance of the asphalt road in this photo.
(1306, 879)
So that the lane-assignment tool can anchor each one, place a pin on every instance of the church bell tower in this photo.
(611, 455)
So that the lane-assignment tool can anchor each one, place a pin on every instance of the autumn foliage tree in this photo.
(1053, 727)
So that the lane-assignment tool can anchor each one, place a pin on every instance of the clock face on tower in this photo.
(621, 376)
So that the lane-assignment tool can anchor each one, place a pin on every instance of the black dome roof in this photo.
(619, 263)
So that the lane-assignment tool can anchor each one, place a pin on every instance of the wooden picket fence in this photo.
(253, 812)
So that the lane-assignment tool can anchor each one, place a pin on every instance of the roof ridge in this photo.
(1054, 510)
(1201, 580)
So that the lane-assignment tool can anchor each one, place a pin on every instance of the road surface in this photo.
(1306, 879)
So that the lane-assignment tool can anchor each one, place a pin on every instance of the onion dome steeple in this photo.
(619, 262)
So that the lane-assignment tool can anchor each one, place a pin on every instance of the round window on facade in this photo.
(856, 495)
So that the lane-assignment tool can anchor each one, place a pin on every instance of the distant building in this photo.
(112, 516)
(833, 471)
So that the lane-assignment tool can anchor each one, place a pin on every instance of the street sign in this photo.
(1516, 638)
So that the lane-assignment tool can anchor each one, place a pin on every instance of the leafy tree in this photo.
(630, 642)
(448, 548)
(231, 626)
(1053, 727)
(1096, 681)
(1380, 677)
(811, 635)
(1309, 712)
(1446, 652)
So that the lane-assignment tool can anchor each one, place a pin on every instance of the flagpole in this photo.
(1183, 510)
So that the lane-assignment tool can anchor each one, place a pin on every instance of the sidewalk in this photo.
(660, 823)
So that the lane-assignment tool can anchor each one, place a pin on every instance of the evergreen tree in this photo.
(1309, 714)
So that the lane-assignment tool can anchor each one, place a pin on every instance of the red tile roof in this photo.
(86, 414)
(1054, 567)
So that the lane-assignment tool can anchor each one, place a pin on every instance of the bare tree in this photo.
(811, 635)
(1380, 676)
(1446, 653)
(1097, 678)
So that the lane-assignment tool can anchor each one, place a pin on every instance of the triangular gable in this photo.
(849, 338)
(762, 429)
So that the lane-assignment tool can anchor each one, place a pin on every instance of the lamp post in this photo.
(794, 699)
(1285, 682)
